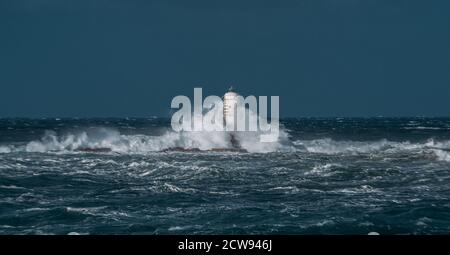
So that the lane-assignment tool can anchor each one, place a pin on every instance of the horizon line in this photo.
(283, 117)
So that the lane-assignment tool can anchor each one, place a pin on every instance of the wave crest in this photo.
(5, 149)
(99, 139)
(440, 149)
(111, 140)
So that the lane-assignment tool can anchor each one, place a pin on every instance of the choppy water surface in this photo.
(324, 176)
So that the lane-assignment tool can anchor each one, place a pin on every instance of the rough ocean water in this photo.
(323, 176)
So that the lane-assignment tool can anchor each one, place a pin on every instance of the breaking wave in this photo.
(104, 139)
(440, 149)
(5, 149)
(442, 155)
(111, 140)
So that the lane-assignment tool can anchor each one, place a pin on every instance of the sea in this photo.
(137, 176)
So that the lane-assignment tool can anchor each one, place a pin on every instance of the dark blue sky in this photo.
(61, 58)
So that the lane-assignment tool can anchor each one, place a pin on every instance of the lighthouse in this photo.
(230, 101)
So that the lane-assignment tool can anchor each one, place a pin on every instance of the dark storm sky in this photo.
(61, 58)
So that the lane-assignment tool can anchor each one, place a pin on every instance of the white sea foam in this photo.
(424, 128)
(10, 187)
(324, 170)
(104, 138)
(86, 210)
(5, 149)
(73, 234)
(329, 146)
(442, 155)
(441, 149)
(176, 228)
(171, 188)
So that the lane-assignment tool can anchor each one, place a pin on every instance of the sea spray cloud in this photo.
(233, 113)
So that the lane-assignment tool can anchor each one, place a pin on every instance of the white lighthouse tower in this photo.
(230, 101)
(229, 107)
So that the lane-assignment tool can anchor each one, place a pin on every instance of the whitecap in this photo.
(424, 128)
(176, 228)
(323, 170)
(10, 187)
(5, 149)
(86, 210)
(442, 155)
(441, 149)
